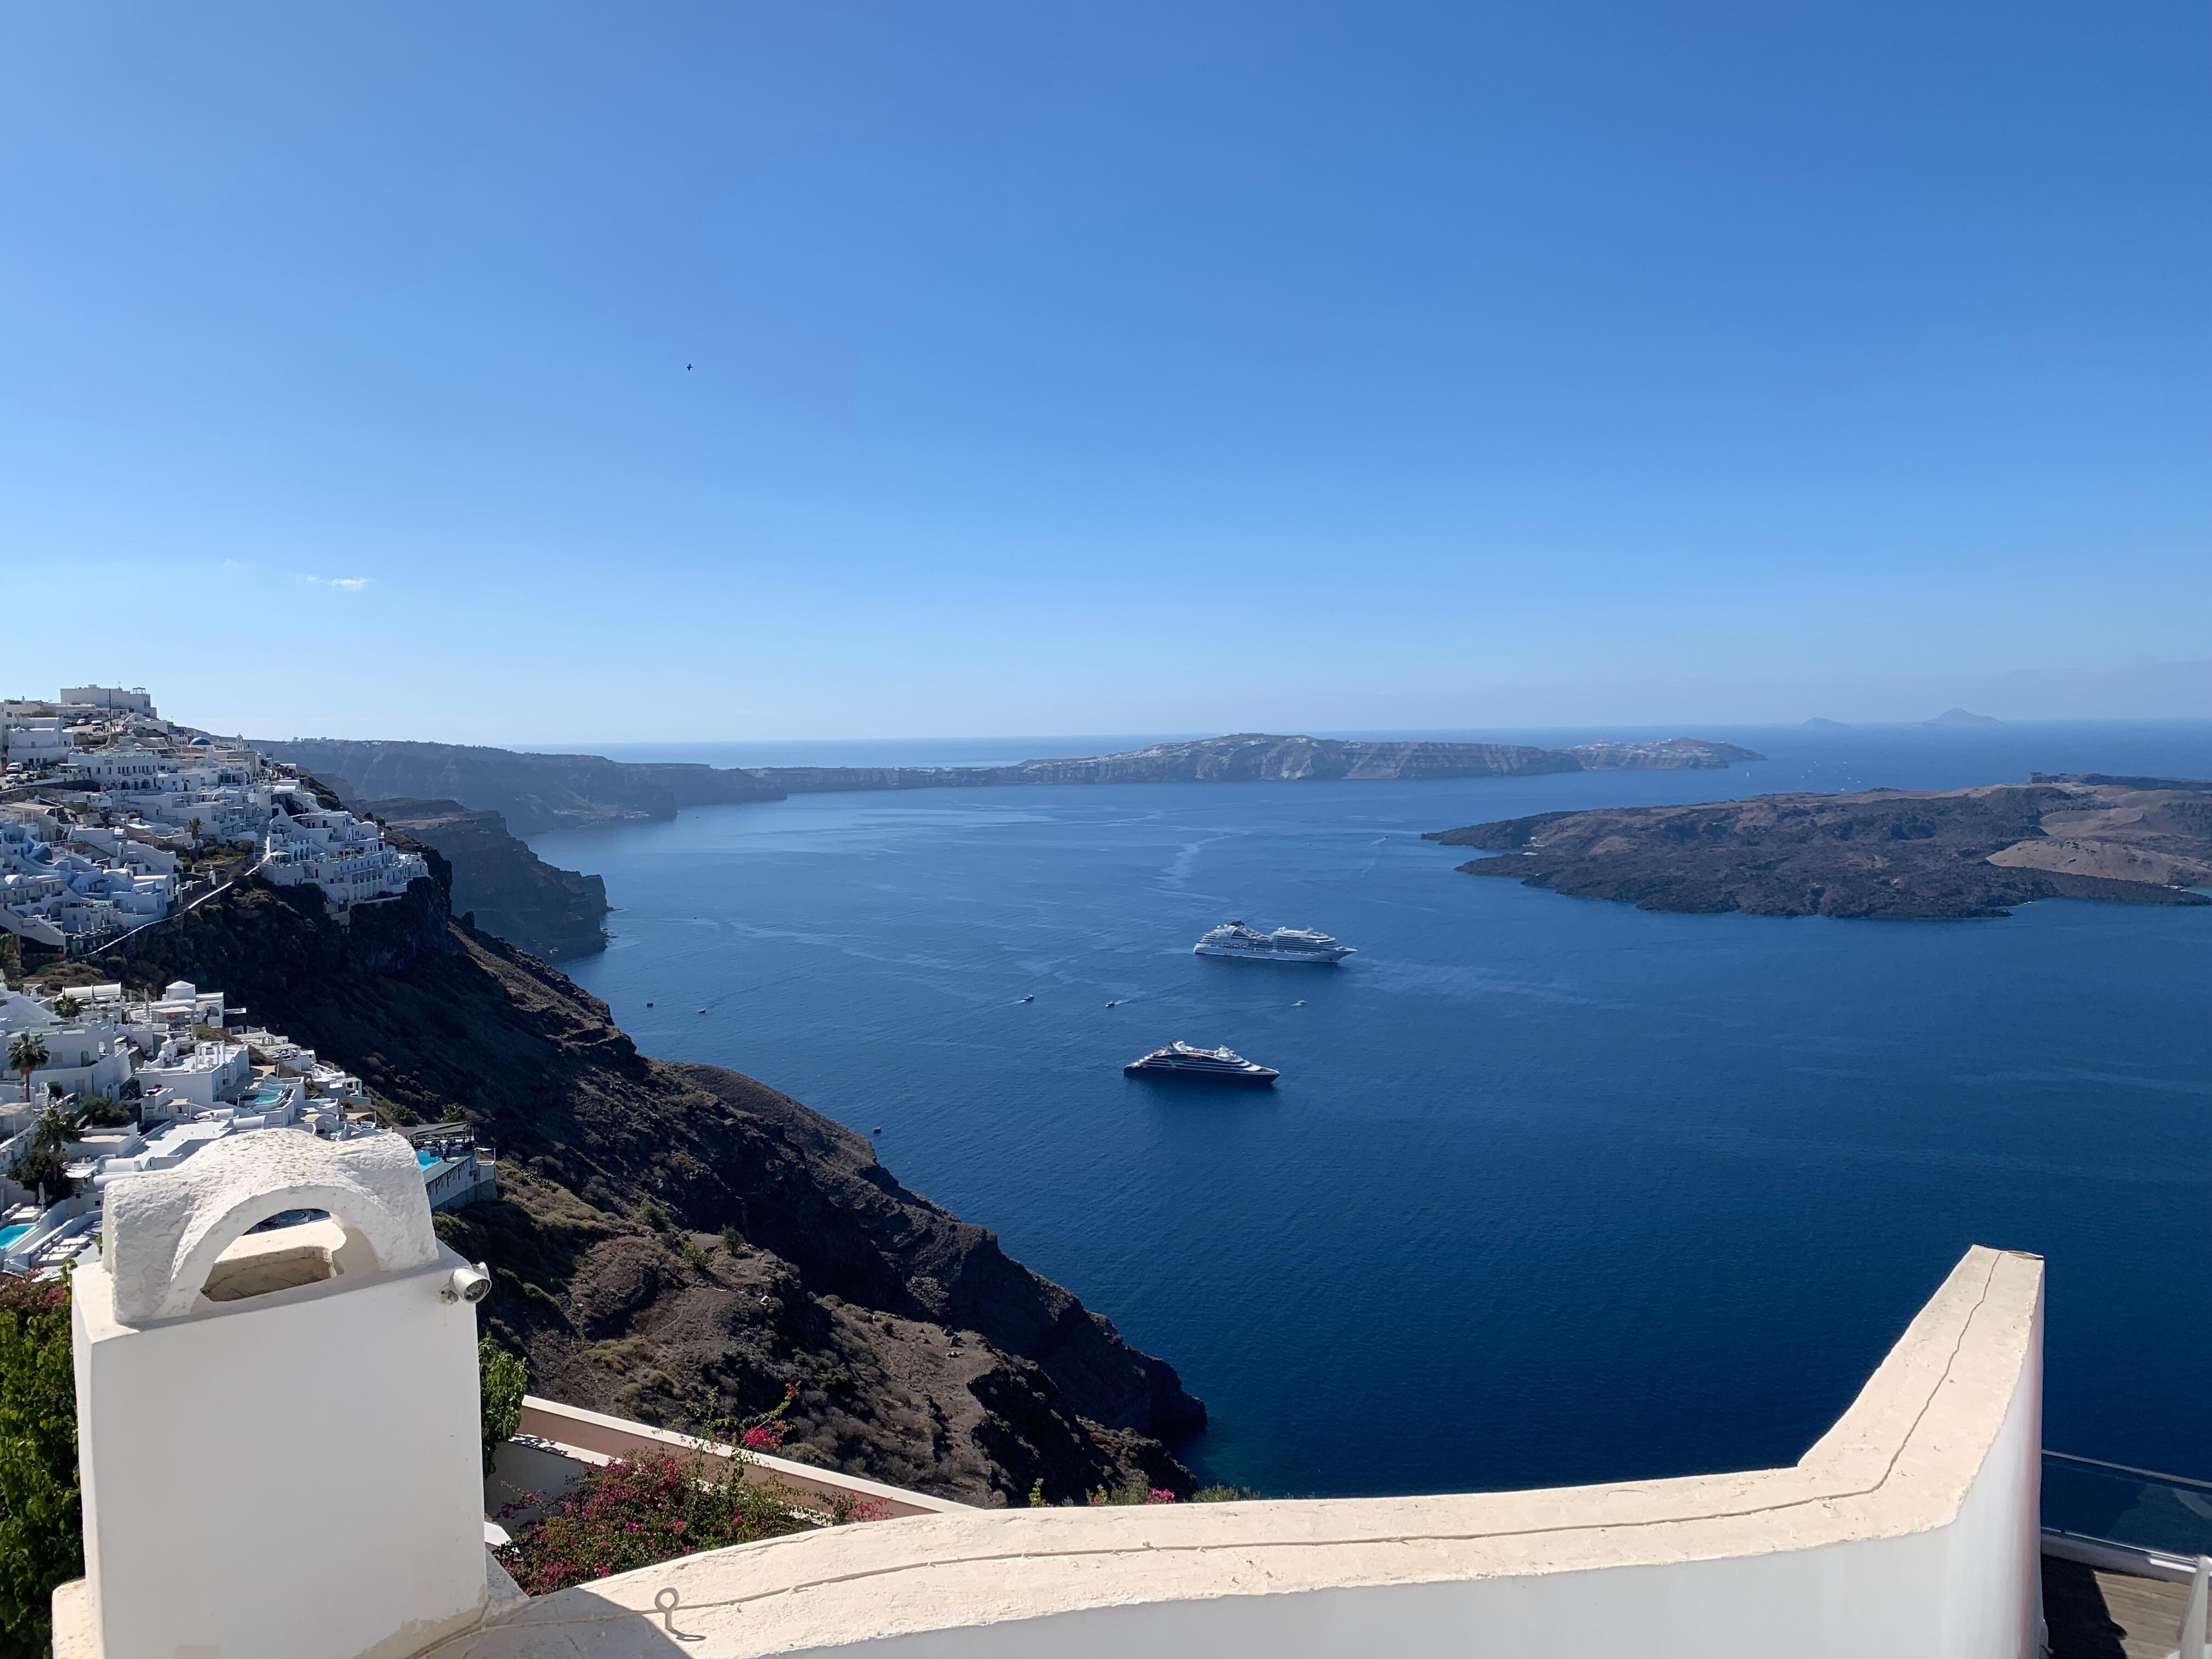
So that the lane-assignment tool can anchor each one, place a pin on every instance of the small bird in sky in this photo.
(687, 368)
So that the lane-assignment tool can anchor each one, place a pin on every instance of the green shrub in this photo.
(502, 1380)
(41, 1534)
(103, 1112)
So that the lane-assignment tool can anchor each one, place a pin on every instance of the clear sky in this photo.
(868, 368)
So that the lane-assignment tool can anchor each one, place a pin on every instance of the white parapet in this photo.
(278, 1432)
(1908, 1532)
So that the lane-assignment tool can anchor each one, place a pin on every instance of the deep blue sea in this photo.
(1551, 1190)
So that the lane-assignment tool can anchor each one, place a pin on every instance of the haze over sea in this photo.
(1551, 1190)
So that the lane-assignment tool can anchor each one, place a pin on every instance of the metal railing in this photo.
(2117, 1503)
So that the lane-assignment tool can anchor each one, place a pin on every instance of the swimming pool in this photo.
(10, 1234)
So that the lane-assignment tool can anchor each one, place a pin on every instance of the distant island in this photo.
(537, 792)
(1883, 853)
(1959, 719)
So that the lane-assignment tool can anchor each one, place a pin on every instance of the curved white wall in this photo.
(1908, 1532)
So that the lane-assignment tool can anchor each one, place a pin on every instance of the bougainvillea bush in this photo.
(652, 1507)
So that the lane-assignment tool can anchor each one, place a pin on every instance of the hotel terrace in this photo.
(1909, 1530)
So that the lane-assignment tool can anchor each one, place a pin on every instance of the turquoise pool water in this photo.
(10, 1234)
(424, 1160)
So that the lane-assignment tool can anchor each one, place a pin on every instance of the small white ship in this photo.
(1180, 1060)
(1284, 945)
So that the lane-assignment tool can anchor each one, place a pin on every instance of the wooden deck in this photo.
(2108, 1615)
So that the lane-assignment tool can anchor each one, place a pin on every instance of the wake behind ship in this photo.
(1284, 945)
(1180, 1060)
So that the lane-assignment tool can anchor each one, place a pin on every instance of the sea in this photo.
(1551, 1190)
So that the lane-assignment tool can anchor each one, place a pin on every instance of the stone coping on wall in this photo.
(1900, 1460)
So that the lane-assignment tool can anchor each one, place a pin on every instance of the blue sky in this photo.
(1074, 368)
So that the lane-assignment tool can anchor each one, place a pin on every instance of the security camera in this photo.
(469, 1284)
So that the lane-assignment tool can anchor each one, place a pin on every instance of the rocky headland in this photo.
(1883, 853)
(532, 794)
(499, 885)
(681, 1243)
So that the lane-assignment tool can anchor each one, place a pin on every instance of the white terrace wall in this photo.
(552, 1434)
(1908, 1532)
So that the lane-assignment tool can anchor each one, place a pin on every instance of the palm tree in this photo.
(26, 1052)
(67, 1007)
(43, 1164)
(55, 1129)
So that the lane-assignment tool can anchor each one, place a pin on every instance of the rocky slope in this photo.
(680, 1243)
(500, 883)
(1882, 853)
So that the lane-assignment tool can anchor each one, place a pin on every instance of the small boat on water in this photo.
(1031, 997)
(1181, 1061)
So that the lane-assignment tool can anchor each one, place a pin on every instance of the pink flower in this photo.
(1159, 1495)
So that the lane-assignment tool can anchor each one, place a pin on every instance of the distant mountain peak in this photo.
(1819, 723)
(1955, 718)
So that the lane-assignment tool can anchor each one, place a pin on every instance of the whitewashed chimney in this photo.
(277, 1431)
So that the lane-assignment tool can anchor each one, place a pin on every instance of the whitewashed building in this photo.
(72, 895)
(32, 741)
(134, 700)
(193, 1088)
(345, 856)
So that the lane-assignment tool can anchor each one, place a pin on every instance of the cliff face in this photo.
(679, 1243)
(1675, 753)
(1255, 757)
(537, 792)
(1882, 853)
(533, 792)
(1258, 757)
(550, 911)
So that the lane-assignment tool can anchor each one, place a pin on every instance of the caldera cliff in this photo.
(681, 1243)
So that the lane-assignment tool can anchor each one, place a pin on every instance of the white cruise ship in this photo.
(1180, 1060)
(1284, 945)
